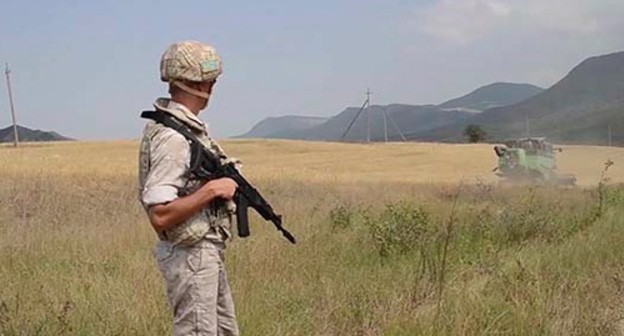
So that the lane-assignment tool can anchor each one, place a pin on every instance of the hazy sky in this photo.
(87, 68)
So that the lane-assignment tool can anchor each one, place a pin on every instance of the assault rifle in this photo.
(208, 166)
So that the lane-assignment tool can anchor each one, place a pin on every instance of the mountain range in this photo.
(580, 108)
(577, 109)
(493, 95)
(28, 135)
(411, 118)
(267, 127)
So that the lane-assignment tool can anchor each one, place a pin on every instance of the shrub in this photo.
(400, 228)
(340, 217)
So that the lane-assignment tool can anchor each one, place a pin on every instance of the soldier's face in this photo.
(207, 88)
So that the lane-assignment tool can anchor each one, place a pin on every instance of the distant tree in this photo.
(475, 133)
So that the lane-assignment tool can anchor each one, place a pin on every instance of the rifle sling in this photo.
(172, 122)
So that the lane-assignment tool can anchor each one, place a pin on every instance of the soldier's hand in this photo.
(222, 188)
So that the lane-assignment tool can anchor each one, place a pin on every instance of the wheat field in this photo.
(420, 163)
(394, 239)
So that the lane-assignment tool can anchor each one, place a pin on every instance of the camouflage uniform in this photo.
(190, 255)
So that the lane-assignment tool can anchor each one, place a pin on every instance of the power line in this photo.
(397, 127)
(344, 134)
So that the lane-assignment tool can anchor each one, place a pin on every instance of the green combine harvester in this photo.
(530, 161)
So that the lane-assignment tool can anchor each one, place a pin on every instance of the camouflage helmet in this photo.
(190, 61)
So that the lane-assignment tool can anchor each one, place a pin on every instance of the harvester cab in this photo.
(530, 160)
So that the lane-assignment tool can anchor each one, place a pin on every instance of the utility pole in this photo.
(385, 117)
(527, 125)
(368, 116)
(609, 132)
(7, 71)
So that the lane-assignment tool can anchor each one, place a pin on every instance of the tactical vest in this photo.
(214, 221)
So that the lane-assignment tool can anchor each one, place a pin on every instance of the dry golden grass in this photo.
(420, 163)
(77, 247)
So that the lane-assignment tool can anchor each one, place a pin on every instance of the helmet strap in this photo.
(190, 90)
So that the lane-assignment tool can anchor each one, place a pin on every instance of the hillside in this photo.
(493, 95)
(28, 135)
(405, 117)
(269, 126)
(578, 108)
(409, 118)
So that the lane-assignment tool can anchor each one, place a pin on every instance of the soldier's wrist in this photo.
(208, 194)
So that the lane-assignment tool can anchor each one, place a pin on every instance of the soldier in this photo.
(192, 218)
